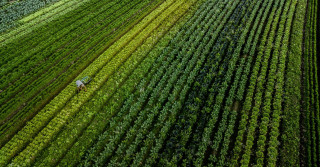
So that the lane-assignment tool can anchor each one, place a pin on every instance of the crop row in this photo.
(18, 10)
(182, 129)
(223, 101)
(271, 78)
(267, 97)
(172, 141)
(102, 59)
(32, 59)
(311, 88)
(39, 19)
(154, 142)
(241, 76)
(36, 71)
(165, 87)
(57, 62)
(289, 154)
(278, 99)
(247, 58)
(41, 38)
(101, 42)
(162, 82)
(97, 102)
(116, 61)
(276, 72)
(253, 83)
(49, 9)
(208, 77)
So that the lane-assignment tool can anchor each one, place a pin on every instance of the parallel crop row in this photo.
(231, 100)
(101, 120)
(18, 69)
(68, 69)
(248, 57)
(100, 98)
(290, 137)
(22, 58)
(267, 105)
(145, 126)
(161, 85)
(73, 105)
(247, 104)
(279, 89)
(39, 19)
(173, 83)
(21, 73)
(311, 88)
(18, 10)
(174, 145)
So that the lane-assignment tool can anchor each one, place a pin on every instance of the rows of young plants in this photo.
(54, 58)
(12, 12)
(79, 29)
(104, 71)
(216, 138)
(101, 120)
(155, 109)
(311, 88)
(247, 104)
(174, 83)
(267, 106)
(223, 6)
(279, 90)
(213, 69)
(70, 69)
(100, 98)
(155, 68)
(40, 18)
(63, 26)
(235, 93)
(290, 138)
(166, 116)
(27, 75)
(233, 102)
(23, 58)
(47, 10)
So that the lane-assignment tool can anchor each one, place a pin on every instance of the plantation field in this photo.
(172, 83)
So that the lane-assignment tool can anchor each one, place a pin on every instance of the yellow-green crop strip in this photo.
(40, 19)
(62, 4)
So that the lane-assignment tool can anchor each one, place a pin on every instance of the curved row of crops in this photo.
(174, 83)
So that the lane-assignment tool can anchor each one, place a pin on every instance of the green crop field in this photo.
(168, 83)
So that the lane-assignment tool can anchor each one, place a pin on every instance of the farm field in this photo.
(167, 83)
